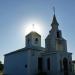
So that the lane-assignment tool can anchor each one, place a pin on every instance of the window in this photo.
(26, 66)
(60, 65)
(40, 64)
(58, 34)
(48, 63)
(70, 65)
(36, 40)
(65, 66)
(28, 40)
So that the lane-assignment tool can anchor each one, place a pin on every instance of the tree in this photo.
(1, 66)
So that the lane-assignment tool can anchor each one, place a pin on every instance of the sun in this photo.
(33, 26)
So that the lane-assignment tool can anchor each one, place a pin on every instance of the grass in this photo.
(1, 73)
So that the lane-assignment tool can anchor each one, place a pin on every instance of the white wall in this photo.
(14, 64)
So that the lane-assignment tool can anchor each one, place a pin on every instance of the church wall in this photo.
(53, 62)
(60, 58)
(28, 40)
(16, 64)
(53, 40)
(73, 66)
(34, 61)
(65, 45)
(50, 42)
(56, 62)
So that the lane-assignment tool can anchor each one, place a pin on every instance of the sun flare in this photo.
(36, 27)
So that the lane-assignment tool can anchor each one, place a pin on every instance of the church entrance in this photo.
(65, 66)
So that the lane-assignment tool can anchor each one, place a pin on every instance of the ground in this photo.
(1, 73)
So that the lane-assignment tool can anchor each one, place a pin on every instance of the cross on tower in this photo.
(33, 27)
(54, 10)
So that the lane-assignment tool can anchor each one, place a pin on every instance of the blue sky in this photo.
(15, 15)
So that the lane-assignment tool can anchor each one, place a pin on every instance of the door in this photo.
(65, 66)
(40, 64)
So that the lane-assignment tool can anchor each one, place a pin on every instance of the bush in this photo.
(1, 66)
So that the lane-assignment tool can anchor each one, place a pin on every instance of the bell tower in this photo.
(56, 47)
(55, 41)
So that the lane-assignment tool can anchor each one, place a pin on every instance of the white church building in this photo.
(33, 59)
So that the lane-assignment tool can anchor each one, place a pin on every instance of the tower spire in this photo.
(54, 23)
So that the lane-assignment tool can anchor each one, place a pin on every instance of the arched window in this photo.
(65, 66)
(48, 63)
(70, 65)
(36, 40)
(40, 63)
(28, 40)
(60, 65)
(58, 34)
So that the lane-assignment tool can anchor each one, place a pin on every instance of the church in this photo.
(33, 59)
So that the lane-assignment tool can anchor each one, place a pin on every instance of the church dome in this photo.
(33, 33)
(33, 39)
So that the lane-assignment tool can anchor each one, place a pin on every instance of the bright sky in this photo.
(17, 15)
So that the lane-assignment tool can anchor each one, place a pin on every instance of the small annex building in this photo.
(33, 59)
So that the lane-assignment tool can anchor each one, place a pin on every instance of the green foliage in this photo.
(1, 66)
